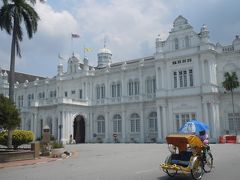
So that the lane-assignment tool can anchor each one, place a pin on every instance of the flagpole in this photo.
(71, 43)
(83, 51)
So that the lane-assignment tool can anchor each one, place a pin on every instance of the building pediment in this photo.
(180, 23)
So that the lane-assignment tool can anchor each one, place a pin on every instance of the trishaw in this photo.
(188, 156)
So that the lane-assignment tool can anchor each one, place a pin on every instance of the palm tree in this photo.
(12, 14)
(230, 83)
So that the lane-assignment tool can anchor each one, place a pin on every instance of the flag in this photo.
(75, 36)
(87, 49)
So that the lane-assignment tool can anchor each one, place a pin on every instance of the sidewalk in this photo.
(27, 162)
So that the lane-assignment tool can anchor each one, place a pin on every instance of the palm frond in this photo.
(6, 18)
(30, 18)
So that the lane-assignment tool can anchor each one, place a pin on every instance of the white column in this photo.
(32, 123)
(90, 127)
(217, 122)
(87, 92)
(35, 124)
(142, 125)
(106, 126)
(123, 124)
(205, 109)
(69, 115)
(141, 83)
(60, 122)
(203, 72)
(171, 126)
(53, 126)
(107, 89)
(164, 121)
(157, 78)
(22, 123)
(123, 84)
(212, 124)
(159, 124)
(64, 126)
(163, 76)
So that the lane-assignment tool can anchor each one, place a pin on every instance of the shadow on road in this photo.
(180, 177)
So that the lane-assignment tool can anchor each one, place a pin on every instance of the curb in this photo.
(26, 162)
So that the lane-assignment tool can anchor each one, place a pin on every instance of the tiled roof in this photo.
(21, 77)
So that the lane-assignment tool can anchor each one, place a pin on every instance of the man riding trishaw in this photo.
(189, 154)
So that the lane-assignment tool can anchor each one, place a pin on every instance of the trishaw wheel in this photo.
(208, 162)
(197, 170)
(171, 172)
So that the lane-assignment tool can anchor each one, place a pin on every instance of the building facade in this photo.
(139, 100)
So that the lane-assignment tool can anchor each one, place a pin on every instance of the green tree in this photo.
(230, 83)
(12, 15)
(9, 116)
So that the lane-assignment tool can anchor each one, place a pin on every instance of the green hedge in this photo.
(19, 137)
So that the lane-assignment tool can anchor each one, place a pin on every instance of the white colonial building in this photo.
(139, 100)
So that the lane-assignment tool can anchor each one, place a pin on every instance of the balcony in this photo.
(57, 101)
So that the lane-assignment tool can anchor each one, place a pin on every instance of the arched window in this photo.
(148, 85)
(101, 124)
(117, 123)
(176, 43)
(135, 123)
(98, 91)
(152, 119)
(103, 91)
(113, 89)
(130, 88)
(118, 89)
(136, 87)
(151, 85)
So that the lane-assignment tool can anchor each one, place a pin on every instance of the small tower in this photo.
(1, 76)
(159, 44)
(85, 64)
(104, 56)
(236, 43)
(60, 69)
(60, 66)
(73, 65)
(204, 34)
(5, 77)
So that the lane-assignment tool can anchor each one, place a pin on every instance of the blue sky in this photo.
(130, 27)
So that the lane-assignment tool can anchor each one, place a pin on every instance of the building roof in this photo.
(22, 77)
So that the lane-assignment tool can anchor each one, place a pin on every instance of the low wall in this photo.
(11, 155)
(6, 156)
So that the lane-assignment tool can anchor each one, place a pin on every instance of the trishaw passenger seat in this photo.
(182, 159)
(186, 155)
(183, 156)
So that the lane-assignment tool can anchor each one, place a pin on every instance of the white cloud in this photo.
(55, 23)
(131, 27)
(127, 24)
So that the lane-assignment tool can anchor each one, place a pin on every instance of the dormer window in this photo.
(176, 43)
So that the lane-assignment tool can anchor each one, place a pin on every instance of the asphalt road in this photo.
(122, 162)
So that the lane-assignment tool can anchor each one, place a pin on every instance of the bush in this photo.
(19, 137)
(56, 144)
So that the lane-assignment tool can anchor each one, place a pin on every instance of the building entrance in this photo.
(79, 129)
